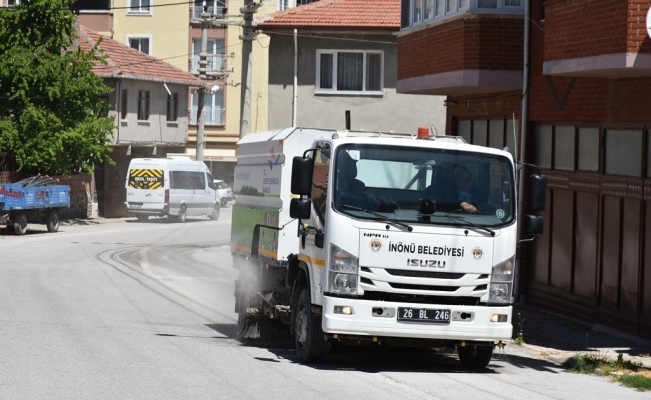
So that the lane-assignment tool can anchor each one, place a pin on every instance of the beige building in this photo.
(171, 31)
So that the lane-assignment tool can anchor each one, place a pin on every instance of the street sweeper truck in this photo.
(391, 240)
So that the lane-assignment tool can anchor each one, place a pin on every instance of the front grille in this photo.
(423, 287)
(425, 274)
(366, 281)
(420, 299)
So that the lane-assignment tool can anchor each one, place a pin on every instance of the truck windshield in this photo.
(415, 185)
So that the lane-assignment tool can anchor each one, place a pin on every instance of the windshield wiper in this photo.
(470, 224)
(381, 217)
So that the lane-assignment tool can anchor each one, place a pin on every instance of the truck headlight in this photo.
(501, 285)
(342, 274)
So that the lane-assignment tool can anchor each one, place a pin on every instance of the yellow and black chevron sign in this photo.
(146, 178)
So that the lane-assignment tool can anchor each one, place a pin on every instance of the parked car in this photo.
(224, 190)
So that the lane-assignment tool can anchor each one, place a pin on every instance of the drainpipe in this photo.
(524, 116)
(118, 101)
(295, 78)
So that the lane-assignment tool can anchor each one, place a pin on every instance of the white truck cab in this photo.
(389, 239)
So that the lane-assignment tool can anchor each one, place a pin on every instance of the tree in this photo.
(52, 117)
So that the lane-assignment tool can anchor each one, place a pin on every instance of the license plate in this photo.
(423, 315)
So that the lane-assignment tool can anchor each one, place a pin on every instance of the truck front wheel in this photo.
(20, 224)
(475, 357)
(311, 346)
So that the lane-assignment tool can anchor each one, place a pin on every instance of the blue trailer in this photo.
(33, 200)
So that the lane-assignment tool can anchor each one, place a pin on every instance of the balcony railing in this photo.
(197, 10)
(214, 116)
(416, 12)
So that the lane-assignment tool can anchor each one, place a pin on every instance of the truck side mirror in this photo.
(533, 224)
(300, 208)
(537, 192)
(302, 176)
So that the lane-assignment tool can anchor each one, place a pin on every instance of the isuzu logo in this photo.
(418, 262)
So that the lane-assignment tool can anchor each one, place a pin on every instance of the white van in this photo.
(176, 187)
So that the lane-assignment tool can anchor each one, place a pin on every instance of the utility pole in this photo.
(250, 8)
(203, 64)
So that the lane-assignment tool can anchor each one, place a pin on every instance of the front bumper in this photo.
(476, 325)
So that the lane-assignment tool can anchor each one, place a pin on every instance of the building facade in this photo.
(343, 58)
(578, 74)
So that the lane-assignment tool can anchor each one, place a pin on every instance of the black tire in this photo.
(475, 357)
(142, 217)
(215, 213)
(20, 224)
(52, 222)
(183, 214)
(311, 346)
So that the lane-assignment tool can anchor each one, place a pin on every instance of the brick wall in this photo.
(587, 100)
(471, 43)
(9, 176)
(583, 28)
(114, 177)
(81, 195)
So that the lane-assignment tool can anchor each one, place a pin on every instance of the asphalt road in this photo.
(128, 310)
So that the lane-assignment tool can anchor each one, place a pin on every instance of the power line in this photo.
(327, 37)
(19, 7)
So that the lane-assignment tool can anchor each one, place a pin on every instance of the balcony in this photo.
(610, 41)
(211, 8)
(461, 50)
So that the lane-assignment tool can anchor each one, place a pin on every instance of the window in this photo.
(495, 133)
(215, 63)
(172, 107)
(542, 145)
(394, 180)
(94, 5)
(212, 7)
(417, 12)
(139, 7)
(349, 71)
(213, 108)
(102, 107)
(187, 180)
(487, 3)
(139, 43)
(623, 152)
(320, 180)
(123, 104)
(588, 149)
(564, 145)
(414, 12)
(143, 105)
(284, 4)
(13, 2)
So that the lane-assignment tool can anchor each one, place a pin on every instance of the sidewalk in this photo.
(558, 338)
